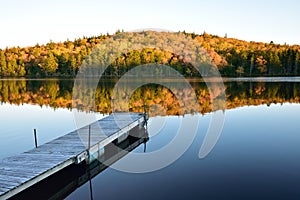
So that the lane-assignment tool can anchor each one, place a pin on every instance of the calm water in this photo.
(256, 156)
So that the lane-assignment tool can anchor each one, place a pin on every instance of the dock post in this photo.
(145, 116)
(35, 138)
(91, 186)
(88, 147)
(89, 139)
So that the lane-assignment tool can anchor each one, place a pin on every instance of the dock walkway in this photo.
(20, 172)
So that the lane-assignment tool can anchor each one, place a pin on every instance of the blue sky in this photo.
(25, 23)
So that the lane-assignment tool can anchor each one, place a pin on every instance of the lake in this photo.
(255, 157)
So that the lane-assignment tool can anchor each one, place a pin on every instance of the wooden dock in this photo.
(22, 171)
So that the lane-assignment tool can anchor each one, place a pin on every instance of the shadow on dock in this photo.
(63, 183)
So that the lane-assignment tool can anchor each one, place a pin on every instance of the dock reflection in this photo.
(63, 183)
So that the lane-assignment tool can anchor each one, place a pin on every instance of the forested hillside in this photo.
(232, 56)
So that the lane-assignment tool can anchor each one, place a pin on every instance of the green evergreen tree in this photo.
(274, 64)
(297, 63)
(49, 65)
(3, 66)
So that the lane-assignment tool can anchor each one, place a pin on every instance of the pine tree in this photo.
(297, 63)
(50, 65)
(274, 63)
(73, 65)
(3, 66)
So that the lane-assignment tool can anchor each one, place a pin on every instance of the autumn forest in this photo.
(233, 57)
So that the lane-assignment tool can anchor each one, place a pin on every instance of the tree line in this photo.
(51, 59)
(233, 57)
(253, 58)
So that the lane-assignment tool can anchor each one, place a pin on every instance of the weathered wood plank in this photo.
(22, 171)
(29, 168)
(25, 173)
(11, 178)
(21, 174)
(6, 185)
(37, 160)
(2, 190)
(57, 150)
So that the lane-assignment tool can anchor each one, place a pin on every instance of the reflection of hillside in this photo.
(54, 93)
(157, 99)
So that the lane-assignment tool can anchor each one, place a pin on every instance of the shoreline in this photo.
(190, 79)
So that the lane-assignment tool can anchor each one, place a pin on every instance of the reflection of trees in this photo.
(52, 93)
(155, 98)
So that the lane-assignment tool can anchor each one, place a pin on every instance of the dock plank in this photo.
(21, 171)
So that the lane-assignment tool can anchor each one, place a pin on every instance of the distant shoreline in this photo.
(207, 79)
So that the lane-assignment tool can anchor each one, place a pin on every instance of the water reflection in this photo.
(158, 99)
(18, 121)
(255, 157)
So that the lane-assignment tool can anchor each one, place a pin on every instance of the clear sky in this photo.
(25, 23)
